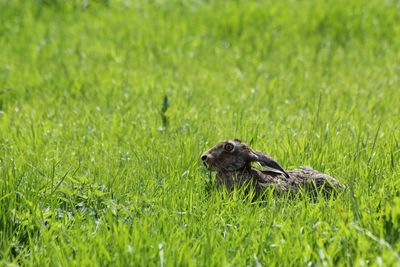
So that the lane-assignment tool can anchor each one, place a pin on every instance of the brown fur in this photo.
(232, 159)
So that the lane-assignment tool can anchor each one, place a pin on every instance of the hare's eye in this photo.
(228, 147)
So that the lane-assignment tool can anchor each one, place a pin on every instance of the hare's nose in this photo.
(203, 157)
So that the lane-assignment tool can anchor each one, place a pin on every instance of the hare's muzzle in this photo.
(204, 158)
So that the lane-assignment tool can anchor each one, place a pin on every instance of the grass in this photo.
(106, 107)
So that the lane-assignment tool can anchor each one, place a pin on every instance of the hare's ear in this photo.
(267, 161)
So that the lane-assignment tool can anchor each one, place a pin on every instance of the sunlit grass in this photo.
(98, 169)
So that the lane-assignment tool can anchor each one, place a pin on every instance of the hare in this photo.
(232, 160)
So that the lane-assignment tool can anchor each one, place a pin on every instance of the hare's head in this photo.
(234, 155)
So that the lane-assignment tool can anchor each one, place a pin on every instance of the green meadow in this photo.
(106, 107)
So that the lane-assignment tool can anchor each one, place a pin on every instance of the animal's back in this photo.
(310, 179)
(305, 178)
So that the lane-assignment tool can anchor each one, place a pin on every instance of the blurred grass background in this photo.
(90, 176)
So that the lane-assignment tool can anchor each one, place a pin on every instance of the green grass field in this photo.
(94, 173)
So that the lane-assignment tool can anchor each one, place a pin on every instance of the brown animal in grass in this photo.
(232, 160)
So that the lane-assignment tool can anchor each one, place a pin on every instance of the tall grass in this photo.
(105, 107)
